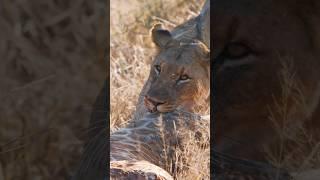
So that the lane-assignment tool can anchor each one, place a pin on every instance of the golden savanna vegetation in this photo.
(131, 53)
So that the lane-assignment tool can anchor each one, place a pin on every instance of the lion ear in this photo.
(160, 37)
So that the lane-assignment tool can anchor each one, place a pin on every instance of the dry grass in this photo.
(192, 160)
(51, 71)
(131, 53)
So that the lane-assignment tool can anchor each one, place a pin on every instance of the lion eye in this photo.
(236, 51)
(184, 78)
(157, 68)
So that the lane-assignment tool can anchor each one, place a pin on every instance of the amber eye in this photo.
(184, 77)
(236, 51)
(157, 68)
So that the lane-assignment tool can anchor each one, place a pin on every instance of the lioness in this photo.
(253, 40)
(198, 29)
(180, 74)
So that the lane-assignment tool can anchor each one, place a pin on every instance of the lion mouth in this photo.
(165, 108)
(160, 108)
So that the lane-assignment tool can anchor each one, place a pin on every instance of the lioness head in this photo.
(180, 73)
(252, 40)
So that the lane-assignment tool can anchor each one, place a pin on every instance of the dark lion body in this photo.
(266, 60)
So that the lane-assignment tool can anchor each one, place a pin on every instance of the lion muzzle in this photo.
(152, 103)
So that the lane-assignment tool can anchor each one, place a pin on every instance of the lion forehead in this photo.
(178, 56)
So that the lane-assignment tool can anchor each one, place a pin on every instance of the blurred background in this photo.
(51, 70)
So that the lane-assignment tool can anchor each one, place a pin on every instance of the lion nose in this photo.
(151, 103)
